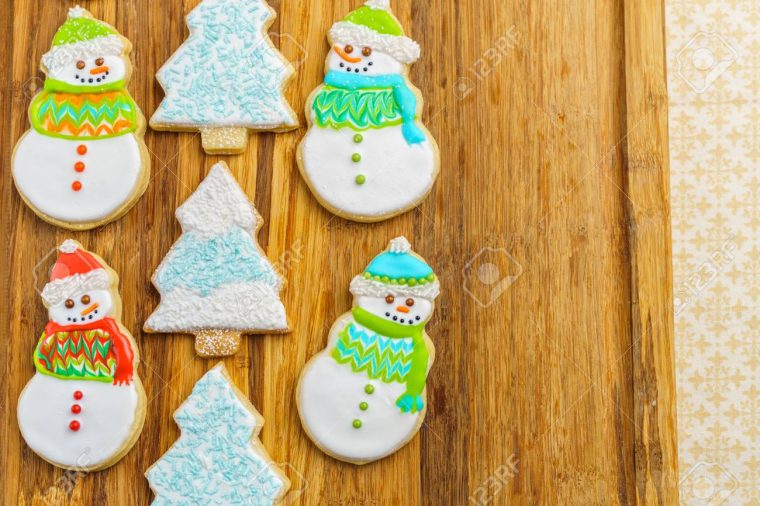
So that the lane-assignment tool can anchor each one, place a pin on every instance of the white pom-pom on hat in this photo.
(76, 12)
(379, 4)
(399, 245)
(68, 246)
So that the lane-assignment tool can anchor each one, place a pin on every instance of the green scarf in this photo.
(80, 113)
(382, 359)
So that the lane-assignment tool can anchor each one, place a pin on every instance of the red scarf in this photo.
(122, 346)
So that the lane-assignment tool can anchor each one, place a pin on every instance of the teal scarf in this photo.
(404, 98)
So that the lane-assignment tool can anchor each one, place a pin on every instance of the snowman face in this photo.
(362, 60)
(92, 71)
(397, 308)
(85, 307)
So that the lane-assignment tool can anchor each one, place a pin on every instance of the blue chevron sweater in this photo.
(384, 358)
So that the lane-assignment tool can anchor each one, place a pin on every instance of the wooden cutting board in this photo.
(553, 384)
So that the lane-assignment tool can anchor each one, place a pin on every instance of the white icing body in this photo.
(107, 419)
(237, 306)
(398, 175)
(328, 400)
(43, 169)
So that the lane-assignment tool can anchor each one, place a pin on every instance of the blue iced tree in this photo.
(227, 74)
(218, 458)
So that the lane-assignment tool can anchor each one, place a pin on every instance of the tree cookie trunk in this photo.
(224, 140)
(217, 343)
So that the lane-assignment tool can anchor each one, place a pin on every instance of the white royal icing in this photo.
(214, 461)
(237, 306)
(107, 419)
(227, 73)
(216, 205)
(215, 276)
(62, 56)
(43, 169)
(402, 48)
(398, 175)
(55, 292)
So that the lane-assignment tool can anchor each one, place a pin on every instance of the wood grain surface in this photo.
(548, 228)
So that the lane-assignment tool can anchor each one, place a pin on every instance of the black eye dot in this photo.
(417, 318)
(395, 318)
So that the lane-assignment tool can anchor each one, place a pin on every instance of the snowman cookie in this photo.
(366, 156)
(364, 397)
(84, 408)
(84, 162)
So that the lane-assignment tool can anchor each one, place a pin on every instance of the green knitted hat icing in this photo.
(378, 20)
(374, 25)
(79, 28)
(80, 37)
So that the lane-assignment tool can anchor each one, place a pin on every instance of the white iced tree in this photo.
(215, 281)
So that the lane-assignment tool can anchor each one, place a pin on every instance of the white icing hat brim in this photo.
(363, 286)
(60, 56)
(59, 290)
(402, 48)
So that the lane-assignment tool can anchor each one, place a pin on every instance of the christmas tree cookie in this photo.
(84, 408)
(366, 156)
(84, 162)
(363, 397)
(227, 78)
(215, 282)
(218, 459)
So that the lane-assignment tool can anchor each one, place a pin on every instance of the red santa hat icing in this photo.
(75, 271)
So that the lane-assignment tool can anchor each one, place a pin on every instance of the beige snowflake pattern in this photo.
(714, 90)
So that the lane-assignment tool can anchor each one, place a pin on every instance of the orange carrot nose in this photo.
(342, 54)
(90, 309)
(99, 70)
(402, 309)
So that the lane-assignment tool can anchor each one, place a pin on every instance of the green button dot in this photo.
(357, 423)
(360, 179)
(369, 389)
(358, 138)
(356, 158)
(363, 406)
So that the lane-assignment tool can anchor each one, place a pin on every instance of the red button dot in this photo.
(78, 395)
(76, 409)
(79, 166)
(81, 149)
(74, 425)
(76, 186)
